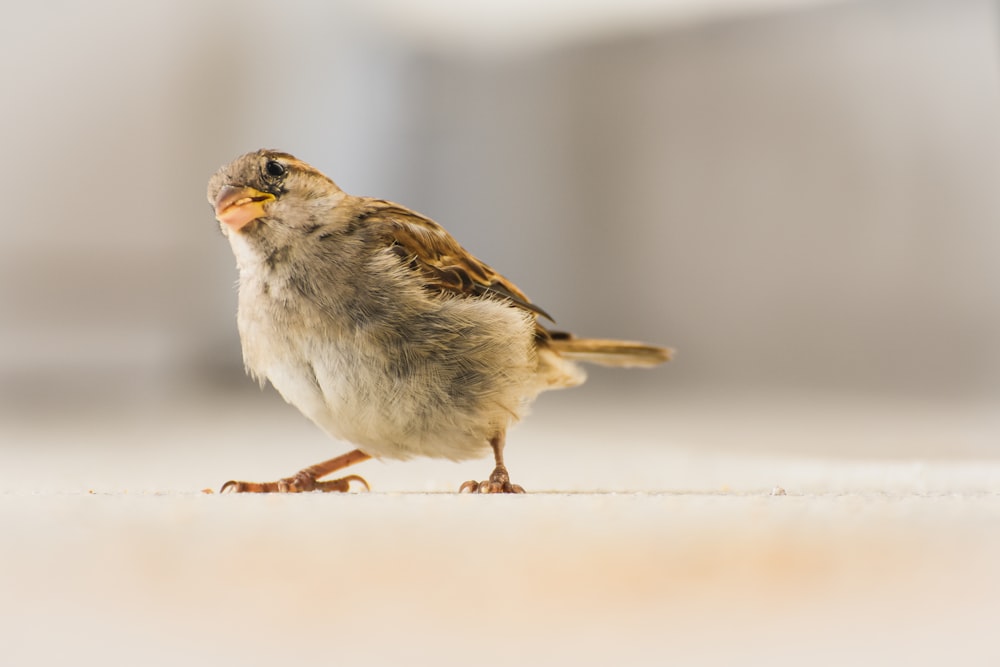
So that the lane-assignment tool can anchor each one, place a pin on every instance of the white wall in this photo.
(796, 199)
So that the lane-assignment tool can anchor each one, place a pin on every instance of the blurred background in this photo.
(801, 197)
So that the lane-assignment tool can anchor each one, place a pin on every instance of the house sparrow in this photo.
(380, 328)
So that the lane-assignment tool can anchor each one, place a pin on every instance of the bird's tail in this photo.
(620, 353)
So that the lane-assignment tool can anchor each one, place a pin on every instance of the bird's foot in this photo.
(300, 482)
(499, 482)
(307, 479)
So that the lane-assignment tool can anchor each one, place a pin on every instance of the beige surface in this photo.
(691, 561)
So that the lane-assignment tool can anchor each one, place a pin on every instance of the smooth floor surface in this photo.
(693, 534)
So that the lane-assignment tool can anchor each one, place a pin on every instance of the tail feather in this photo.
(620, 353)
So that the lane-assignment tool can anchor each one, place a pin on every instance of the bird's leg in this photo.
(307, 479)
(499, 481)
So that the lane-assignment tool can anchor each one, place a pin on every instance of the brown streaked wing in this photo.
(445, 264)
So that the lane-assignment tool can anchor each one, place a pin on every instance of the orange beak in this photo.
(238, 207)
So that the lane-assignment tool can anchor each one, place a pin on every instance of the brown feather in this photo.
(445, 265)
(620, 353)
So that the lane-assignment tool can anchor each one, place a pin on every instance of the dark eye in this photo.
(274, 169)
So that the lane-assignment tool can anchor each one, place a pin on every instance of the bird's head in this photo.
(270, 189)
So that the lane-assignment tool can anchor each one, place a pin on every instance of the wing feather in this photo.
(444, 264)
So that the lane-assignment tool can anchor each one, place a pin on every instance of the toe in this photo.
(490, 486)
(342, 485)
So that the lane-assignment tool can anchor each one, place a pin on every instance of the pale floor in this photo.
(653, 538)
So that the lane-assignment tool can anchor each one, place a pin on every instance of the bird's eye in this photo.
(274, 169)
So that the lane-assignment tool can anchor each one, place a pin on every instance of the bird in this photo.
(381, 329)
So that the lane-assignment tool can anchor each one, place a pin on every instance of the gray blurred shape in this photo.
(801, 200)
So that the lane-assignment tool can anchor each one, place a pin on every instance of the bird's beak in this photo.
(238, 207)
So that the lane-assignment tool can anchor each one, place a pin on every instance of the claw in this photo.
(342, 484)
(356, 478)
(473, 486)
(499, 482)
(307, 479)
(297, 484)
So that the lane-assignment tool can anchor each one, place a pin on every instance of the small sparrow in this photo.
(380, 328)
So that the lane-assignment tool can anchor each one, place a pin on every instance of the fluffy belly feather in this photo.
(459, 376)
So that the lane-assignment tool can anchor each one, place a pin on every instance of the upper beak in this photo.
(238, 207)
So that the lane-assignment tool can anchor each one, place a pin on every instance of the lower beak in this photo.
(238, 207)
